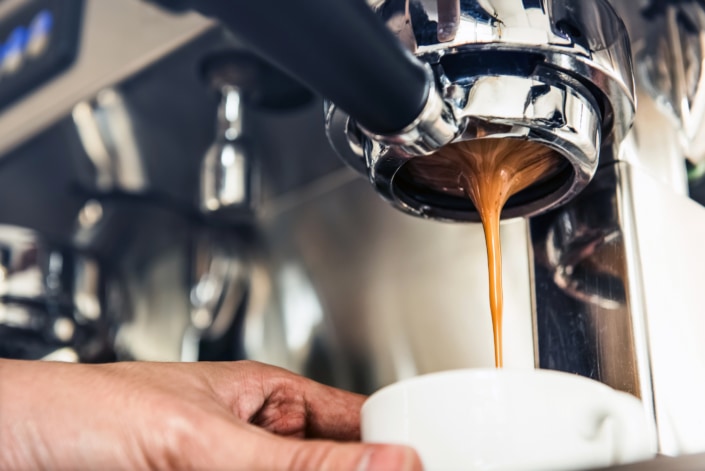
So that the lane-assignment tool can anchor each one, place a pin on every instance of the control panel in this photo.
(38, 39)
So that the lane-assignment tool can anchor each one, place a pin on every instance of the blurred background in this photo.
(111, 251)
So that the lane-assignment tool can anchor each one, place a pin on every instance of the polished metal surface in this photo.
(105, 129)
(194, 286)
(586, 39)
(613, 270)
(220, 283)
(586, 302)
(616, 300)
(52, 298)
(508, 107)
(553, 72)
(398, 296)
(227, 174)
(435, 126)
(670, 41)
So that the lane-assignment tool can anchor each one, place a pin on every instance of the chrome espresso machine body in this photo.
(613, 286)
(180, 201)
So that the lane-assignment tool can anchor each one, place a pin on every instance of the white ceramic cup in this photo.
(488, 419)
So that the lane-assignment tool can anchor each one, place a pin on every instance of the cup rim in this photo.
(600, 388)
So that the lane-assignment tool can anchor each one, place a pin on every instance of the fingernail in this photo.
(390, 458)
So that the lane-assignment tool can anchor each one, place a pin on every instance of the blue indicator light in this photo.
(42, 23)
(13, 50)
(2, 59)
(39, 32)
(17, 41)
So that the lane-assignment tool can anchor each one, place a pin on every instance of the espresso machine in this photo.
(177, 195)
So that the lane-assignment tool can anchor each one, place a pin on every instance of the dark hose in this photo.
(338, 48)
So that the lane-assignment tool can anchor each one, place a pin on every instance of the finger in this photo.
(332, 413)
(288, 404)
(230, 445)
(326, 455)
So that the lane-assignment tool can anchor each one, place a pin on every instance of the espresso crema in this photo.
(488, 171)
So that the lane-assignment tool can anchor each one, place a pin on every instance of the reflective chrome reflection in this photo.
(105, 129)
(51, 297)
(589, 316)
(227, 169)
(553, 71)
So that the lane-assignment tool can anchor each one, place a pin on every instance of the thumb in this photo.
(327, 455)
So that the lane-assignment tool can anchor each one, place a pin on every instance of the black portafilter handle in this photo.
(338, 48)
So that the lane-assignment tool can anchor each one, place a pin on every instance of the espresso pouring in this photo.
(488, 171)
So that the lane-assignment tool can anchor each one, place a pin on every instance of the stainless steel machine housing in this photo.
(329, 280)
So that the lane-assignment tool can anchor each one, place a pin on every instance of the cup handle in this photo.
(635, 435)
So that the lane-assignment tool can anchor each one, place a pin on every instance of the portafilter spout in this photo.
(556, 72)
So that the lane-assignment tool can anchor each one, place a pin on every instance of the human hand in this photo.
(238, 415)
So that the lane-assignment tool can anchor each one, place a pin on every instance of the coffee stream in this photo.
(488, 171)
